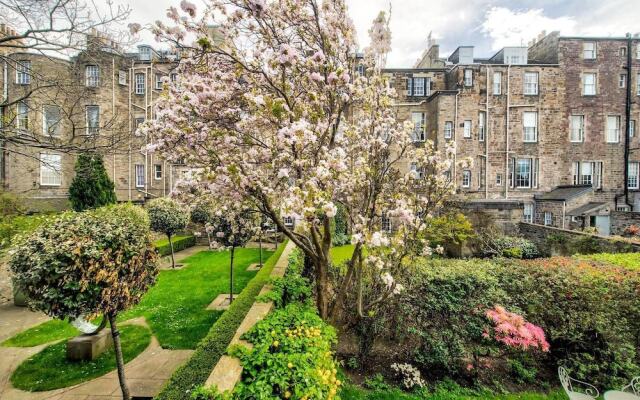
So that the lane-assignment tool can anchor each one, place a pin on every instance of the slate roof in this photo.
(563, 193)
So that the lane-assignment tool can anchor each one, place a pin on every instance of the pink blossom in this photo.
(514, 331)
(188, 7)
(134, 28)
(332, 78)
(315, 76)
(318, 57)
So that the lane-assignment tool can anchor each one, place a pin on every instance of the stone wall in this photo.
(620, 220)
(556, 241)
(502, 215)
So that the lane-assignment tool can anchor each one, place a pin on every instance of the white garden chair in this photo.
(629, 392)
(586, 391)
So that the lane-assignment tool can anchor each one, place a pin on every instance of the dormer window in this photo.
(145, 53)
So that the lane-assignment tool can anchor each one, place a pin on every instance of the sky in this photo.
(488, 25)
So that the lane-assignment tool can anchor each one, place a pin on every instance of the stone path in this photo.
(145, 374)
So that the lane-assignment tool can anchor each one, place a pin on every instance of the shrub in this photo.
(292, 288)
(13, 226)
(168, 217)
(586, 309)
(84, 264)
(91, 186)
(10, 204)
(179, 243)
(340, 235)
(508, 246)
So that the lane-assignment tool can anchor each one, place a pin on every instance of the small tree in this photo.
(91, 187)
(233, 229)
(202, 214)
(167, 216)
(96, 262)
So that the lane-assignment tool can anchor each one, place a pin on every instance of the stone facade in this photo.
(122, 96)
(513, 115)
(620, 220)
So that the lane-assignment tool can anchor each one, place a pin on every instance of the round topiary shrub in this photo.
(95, 262)
(169, 217)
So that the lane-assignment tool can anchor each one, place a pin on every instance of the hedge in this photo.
(179, 243)
(198, 368)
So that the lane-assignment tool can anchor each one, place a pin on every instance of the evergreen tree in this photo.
(91, 187)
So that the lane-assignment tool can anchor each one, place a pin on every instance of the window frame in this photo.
(499, 179)
(22, 116)
(122, 77)
(92, 79)
(140, 176)
(157, 168)
(140, 87)
(419, 86)
(498, 82)
(594, 84)
(448, 130)
(46, 166)
(581, 130)
(528, 217)
(531, 88)
(594, 51)
(524, 127)
(23, 74)
(90, 129)
(466, 176)
(159, 81)
(632, 128)
(548, 218)
(467, 80)
(482, 123)
(635, 176)
(45, 125)
(616, 130)
(622, 81)
(467, 126)
(528, 176)
(419, 136)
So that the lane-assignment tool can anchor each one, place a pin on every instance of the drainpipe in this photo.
(628, 123)
(486, 140)
(506, 151)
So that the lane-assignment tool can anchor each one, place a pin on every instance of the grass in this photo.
(50, 368)
(197, 369)
(630, 261)
(341, 253)
(175, 308)
(351, 392)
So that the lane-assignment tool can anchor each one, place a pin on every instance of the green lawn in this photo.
(341, 253)
(627, 260)
(350, 392)
(50, 368)
(175, 308)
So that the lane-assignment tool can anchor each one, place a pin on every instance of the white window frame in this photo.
(527, 213)
(91, 129)
(157, 172)
(416, 172)
(530, 133)
(498, 179)
(632, 128)
(530, 83)
(122, 77)
(613, 132)
(45, 121)
(589, 53)
(497, 83)
(173, 77)
(92, 75)
(448, 129)
(482, 122)
(140, 177)
(22, 116)
(140, 82)
(418, 87)
(50, 169)
(159, 81)
(633, 180)
(593, 87)
(527, 176)
(23, 74)
(419, 126)
(577, 132)
(638, 52)
(468, 77)
(548, 218)
(622, 81)
(467, 125)
(593, 178)
(466, 178)
(638, 84)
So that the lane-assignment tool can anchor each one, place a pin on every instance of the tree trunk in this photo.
(209, 240)
(173, 259)
(322, 288)
(233, 248)
(119, 360)
(260, 244)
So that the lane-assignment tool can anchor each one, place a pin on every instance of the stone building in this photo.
(535, 121)
(94, 100)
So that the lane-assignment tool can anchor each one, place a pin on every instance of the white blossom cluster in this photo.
(408, 374)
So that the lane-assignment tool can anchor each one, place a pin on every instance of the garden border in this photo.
(212, 347)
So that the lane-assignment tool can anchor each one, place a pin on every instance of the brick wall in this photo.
(620, 220)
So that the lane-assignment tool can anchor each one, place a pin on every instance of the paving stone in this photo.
(225, 374)
(221, 302)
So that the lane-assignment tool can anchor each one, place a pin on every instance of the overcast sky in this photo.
(486, 24)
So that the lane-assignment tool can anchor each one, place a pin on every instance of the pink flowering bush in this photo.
(512, 330)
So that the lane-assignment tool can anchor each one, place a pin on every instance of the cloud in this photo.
(505, 27)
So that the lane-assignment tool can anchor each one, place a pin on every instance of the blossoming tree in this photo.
(275, 115)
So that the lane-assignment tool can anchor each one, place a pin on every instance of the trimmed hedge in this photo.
(198, 368)
(179, 243)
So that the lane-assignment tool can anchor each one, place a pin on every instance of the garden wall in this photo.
(620, 220)
(556, 241)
